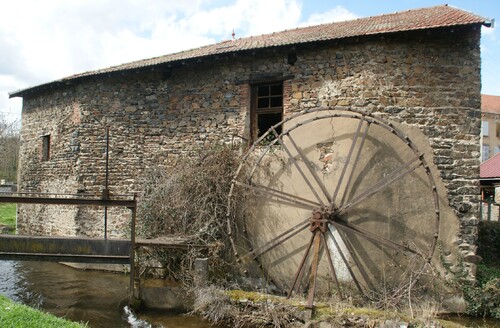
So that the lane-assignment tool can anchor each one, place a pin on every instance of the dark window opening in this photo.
(267, 108)
(265, 121)
(46, 148)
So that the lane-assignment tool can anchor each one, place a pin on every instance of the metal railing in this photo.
(126, 201)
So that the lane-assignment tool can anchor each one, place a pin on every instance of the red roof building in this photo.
(490, 104)
(489, 173)
(490, 119)
(490, 169)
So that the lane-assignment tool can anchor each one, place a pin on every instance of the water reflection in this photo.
(97, 298)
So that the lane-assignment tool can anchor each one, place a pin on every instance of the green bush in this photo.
(483, 298)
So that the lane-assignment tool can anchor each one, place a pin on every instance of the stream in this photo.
(99, 298)
(95, 297)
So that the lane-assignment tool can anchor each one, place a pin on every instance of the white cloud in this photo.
(336, 14)
(41, 41)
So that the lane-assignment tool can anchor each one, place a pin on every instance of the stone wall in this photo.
(426, 81)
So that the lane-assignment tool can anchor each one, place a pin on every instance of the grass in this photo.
(13, 315)
(8, 215)
(336, 313)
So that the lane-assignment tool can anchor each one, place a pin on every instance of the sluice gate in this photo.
(72, 249)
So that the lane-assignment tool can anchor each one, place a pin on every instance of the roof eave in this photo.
(72, 79)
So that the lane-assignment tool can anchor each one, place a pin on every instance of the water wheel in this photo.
(337, 201)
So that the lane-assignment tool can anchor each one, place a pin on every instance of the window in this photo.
(486, 152)
(485, 128)
(498, 130)
(46, 147)
(497, 150)
(267, 108)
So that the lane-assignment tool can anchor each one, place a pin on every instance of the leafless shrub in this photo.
(9, 148)
(215, 305)
(426, 312)
(190, 200)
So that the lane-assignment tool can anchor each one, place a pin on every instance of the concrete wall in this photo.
(427, 82)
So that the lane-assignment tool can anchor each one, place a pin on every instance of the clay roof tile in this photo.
(490, 168)
(425, 18)
(490, 104)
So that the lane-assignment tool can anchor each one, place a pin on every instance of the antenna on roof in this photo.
(233, 34)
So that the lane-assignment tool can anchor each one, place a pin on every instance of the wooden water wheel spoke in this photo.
(344, 260)
(332, 267)
(314, 268)
(359, 265)
(312, 171)
(371, 236)
(294, 199)
(384, 183)
(281, 238)
(298, 273)
(346, 163)
(344, 169)
(297, 166)
(353, 169)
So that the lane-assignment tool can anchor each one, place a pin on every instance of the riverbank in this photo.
(18, 315)
(236, 308)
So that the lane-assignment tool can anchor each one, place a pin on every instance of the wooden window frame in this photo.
(258, 105)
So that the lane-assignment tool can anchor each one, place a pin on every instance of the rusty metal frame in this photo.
(79, 200)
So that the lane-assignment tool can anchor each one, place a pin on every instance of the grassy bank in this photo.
(8, 215)
(13, 315)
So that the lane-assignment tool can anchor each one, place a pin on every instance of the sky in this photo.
(42, 41)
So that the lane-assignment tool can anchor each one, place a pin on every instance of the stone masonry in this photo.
(427, 80)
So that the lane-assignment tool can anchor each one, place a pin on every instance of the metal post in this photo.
(132, 254)
(105, 194)
(490, 201)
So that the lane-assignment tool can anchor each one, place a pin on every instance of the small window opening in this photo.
(485, 128)
(46, 147)
(486, 152)
(267, 108)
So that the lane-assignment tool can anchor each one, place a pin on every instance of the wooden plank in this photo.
(175, 243)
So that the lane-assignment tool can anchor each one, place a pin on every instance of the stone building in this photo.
(490, 127)
(419, 69)
(489, 173)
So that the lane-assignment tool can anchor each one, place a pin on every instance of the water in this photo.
(98, 298)
(473, 322)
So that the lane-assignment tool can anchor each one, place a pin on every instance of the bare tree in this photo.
(9, 148)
